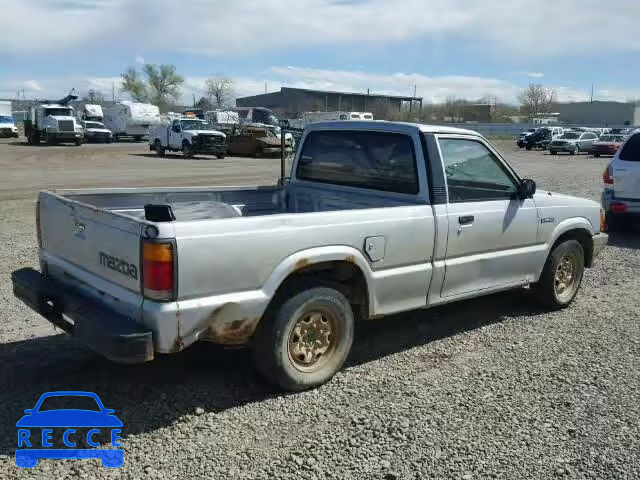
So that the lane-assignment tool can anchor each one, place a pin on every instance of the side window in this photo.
(631, 150)
(474, 173)
(372, 160)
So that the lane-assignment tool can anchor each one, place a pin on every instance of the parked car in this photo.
(621, 195)
(521, 139)
(573, 143)
(367, 225)
(255, 141)
(607, 145)
(542, 137)
(96, 132)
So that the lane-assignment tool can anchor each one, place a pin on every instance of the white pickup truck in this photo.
(188, 135)
(377, 218)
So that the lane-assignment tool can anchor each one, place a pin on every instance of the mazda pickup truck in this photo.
(376, 218)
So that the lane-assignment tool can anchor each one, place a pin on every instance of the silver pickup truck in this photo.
(377, 218)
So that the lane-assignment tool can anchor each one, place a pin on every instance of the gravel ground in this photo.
(489, 388)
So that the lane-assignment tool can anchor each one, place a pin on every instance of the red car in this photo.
(607, 145)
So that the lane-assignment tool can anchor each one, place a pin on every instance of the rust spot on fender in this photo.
(228, 331)
(350, 259)
(302, 263)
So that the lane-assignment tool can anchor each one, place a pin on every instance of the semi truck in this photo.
(131, 119)
(7, 123)
(53, 122)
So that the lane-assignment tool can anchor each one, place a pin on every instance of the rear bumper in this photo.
(95, 325)
(619, 206)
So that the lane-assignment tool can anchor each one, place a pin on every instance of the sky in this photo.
(442, 48)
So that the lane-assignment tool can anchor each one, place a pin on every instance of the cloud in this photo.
(530, 74)
(433, 89)
(551, 29)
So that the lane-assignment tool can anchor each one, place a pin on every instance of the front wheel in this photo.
(597, 155)
(553, 152)
(562, 275)
(220, 156)
(576, 150)
(187, 151)
(306, 340)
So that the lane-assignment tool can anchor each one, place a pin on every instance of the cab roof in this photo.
(386, 125)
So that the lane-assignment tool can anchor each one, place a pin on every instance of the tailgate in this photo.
(94, 240)
(626, 178)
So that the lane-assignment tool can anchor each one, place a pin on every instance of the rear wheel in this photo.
(157, 146)
(220, 156)
(596, 155)
(562, 275)
(305, 341)
(576, 150)
(553, 152)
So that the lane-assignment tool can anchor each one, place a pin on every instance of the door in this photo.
(492, 231)
(626, 169)
(175, 135)
(586, 141)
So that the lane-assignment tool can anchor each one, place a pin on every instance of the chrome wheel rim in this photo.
(566, 277)
(312, 340)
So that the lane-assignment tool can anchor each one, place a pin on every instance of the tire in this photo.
(554, 290)
(597, 155)
(78, 142)
(258, 153)
(576, 150)
(553, 152)
(187, 152)
(613, 222)
(157, 146)
(280, 358)
(220, 156)
(109, 140)
(528, 147)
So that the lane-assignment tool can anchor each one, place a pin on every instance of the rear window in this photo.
(631, 150)
(372, 160)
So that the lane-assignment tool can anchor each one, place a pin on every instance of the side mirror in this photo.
(29, 411)
(527, 188)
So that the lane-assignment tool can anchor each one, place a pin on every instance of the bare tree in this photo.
(94, 97)
(219, 90)
(536, 99)
(160, 85)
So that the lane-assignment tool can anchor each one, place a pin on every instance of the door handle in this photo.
(466, 220)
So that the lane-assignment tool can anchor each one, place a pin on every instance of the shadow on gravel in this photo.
(151, 396)
(171, 156)
(625, 237)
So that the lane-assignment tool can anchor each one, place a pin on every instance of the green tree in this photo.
(157, 84)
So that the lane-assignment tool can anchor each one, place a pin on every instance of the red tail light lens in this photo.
(158, 270)
(607, 177)
(618, 207)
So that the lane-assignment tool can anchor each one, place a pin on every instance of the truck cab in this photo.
(190, 135)
(53, 123)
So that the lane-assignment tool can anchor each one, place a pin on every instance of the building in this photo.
(598, 113)
(293, 102)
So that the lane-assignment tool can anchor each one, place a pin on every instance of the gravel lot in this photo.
(490, 388)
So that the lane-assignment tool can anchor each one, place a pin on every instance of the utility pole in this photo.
(592, 93)
(113, 92)
(265, 88)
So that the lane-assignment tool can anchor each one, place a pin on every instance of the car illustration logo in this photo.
(43, 425)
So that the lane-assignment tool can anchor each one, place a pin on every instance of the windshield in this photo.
(611, 138)
(193, 125)
(69, 402)
(6, 119)
(59, 112)
(571, 136)
(94, 125)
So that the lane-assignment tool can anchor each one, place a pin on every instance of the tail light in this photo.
(607, 176)
(158, 272)
(618, 207)
(38, 231)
